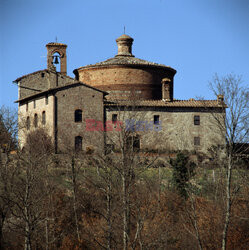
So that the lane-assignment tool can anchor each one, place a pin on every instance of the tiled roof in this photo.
(160, 103)
(124, 37)
(39, 71)
(59, 44)
(126, 60)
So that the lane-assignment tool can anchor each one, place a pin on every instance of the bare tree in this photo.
(235, 125)
(8, 132)
(8, 129)
(30, 193)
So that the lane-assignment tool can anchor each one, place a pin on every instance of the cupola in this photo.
(124, 43)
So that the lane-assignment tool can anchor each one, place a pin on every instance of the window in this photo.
(78, 143)
(35, 120)
(196, 120)
(133, 142)
(34, 104)
(27, 107)
(109, 148)
(114, 118)
(46, 100)
(136, 142)
(78, 115)
(197, 141)
(156, 119)
(28, 123)
(42, 74)
(43, 117)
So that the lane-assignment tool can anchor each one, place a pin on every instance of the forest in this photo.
(128, 199)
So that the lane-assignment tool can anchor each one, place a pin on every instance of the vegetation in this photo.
(124, 200)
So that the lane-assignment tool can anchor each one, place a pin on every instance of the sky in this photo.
(198, 38)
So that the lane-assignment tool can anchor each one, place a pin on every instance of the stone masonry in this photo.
(116, 90)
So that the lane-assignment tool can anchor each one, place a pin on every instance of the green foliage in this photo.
(183, 170)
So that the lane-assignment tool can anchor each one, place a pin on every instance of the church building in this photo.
(88, 112)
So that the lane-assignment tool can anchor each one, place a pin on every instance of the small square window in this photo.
(156, 119)
(196, 120)
(114, 118)
(197, 141)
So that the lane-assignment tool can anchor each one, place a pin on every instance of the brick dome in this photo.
(125, 76)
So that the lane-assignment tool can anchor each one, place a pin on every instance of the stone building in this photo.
(123, 90)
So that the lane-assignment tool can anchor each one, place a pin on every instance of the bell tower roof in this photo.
(56, 44)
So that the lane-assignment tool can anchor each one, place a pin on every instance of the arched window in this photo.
(78, 143)
(35, 120)
(28, 123)
(43, 117)
(78, 115)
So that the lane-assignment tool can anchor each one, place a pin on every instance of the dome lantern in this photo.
(124, 43)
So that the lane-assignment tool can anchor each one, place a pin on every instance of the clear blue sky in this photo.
(196, 37)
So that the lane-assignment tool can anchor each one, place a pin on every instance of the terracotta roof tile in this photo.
(59, 44)
(124, 37)
(126, 60)
(161, 103)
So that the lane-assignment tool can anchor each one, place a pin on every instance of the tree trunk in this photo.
(125, 215)
(228, 201)
(74, 199)
(195, 222)
(109, 214)
(1, 232)
(26, 211)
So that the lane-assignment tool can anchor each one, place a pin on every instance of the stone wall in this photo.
(59, 110)
(29, 109)
(41, 81)
(176, 130)
(90, 102)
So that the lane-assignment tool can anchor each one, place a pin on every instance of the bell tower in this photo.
(56, 53)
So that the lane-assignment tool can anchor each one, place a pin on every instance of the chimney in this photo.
(220, 99)
(124, 43)
(166, 90)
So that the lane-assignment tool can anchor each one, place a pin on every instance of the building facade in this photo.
(123, 92)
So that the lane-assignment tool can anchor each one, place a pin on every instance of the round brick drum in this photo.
(125, 76)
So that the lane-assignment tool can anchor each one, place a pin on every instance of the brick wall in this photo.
(147, 80)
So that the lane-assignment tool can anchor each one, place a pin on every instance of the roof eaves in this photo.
(33, 73)
(39, 71)
(58, 89)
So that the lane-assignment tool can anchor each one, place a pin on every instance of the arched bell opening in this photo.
(56, 60)
(57, 57)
